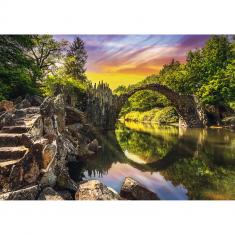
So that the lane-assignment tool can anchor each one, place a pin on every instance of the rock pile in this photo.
(38, 140)
(130, 190)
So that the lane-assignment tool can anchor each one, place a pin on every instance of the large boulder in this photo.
(133, 190)
(95, 190)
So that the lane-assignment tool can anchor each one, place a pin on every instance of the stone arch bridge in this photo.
(103, 107)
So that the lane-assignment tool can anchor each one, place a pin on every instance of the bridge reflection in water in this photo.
(173, 162)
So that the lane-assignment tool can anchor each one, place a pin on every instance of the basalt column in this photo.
(102, 106)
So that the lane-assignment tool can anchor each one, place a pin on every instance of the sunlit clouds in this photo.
(127, 59)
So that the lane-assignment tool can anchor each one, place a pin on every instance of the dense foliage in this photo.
(209, 73)
(161, 116)
(76, 60)
(34, 64)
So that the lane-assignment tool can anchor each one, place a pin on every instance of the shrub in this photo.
(164, 115)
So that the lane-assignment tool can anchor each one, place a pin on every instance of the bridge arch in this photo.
(103, 107)
(191, 114)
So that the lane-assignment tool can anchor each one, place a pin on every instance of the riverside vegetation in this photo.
(49, 150)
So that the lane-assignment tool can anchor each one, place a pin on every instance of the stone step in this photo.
(21, 113)
(20, 122)
(12, 153)
(10, 139)
(8, 163)
(14, 129)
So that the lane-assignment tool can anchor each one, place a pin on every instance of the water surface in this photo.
(174, 163)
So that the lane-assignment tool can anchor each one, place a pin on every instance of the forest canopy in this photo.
(35, 64)
(208, 73)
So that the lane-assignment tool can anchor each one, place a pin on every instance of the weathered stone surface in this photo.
(59, 106)
(10, 139)
(25, 172)
(47, 146)
(47, 107)
(31, 175)
(6, 105)
(48, 154)
(103, 107)
(73, 116)
(26, 141)
(133, 190)
(64, 181)
(34, 100)
(95, 190)
(23, 104)
(6, 118)
(48, 126)
(11, 153)
(28, 193)
(48, 179)
(36, 126)
(66, 195)
(50, 194)
(84, 152)
(93, 146)
(18, 100)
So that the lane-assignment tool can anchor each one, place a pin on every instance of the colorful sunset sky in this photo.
(128, 59)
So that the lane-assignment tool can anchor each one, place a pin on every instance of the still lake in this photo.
(175, 163)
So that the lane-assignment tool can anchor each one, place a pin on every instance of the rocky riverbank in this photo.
(38, 139)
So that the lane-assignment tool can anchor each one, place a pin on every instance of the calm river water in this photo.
(175, 163)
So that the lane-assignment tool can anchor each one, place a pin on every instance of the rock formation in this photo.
(133, 190)
(95, 190)
(103, 107)
(35, 146)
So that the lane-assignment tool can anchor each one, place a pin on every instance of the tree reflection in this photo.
(201, 160)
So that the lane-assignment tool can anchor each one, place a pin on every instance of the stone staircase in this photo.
(35, 146)
(12, 147)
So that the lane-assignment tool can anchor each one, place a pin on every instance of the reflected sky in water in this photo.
(176, 164)
(153, 181)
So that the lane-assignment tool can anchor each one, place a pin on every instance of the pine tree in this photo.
(76, 60)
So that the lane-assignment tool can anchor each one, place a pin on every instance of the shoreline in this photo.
(175, 124)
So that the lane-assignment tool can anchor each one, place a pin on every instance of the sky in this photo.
(128, 59)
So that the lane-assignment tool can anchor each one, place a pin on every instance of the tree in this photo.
(203, 64)
(13, 51)
(76, 60)
(15, 66)
(220, 89)
(45, 53)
